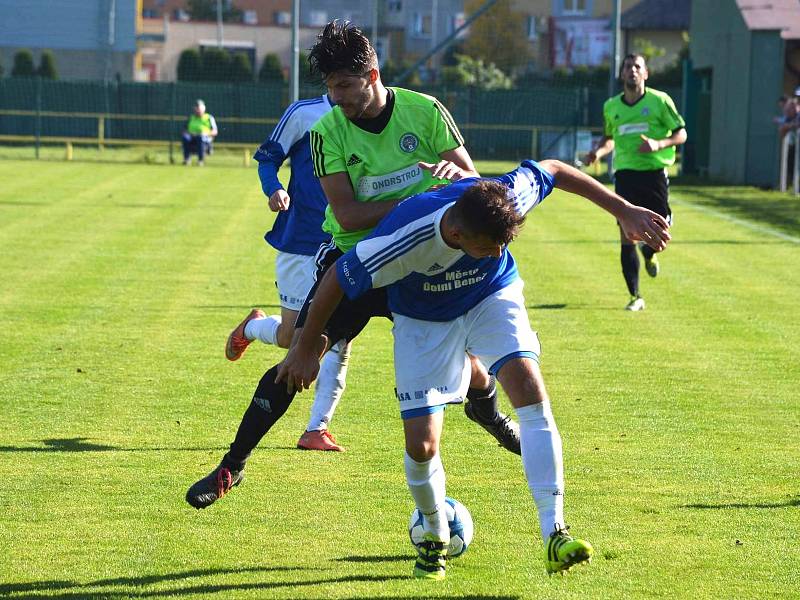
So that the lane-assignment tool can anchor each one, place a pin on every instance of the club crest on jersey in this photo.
(409, 142)
(645, 111)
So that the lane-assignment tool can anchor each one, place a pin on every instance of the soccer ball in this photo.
(461, 527)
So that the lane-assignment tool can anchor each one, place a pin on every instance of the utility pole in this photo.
(294, 77)
(219, 24)
(614, 67)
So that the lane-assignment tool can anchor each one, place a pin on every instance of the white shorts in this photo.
(294, 274)
(430, 361)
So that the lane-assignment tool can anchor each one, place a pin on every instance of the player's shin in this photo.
(269, 402)
(543, 463)
(426, 482)
(329, 386)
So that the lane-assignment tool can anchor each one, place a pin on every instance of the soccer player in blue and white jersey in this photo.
(297, 236)
(453, 289)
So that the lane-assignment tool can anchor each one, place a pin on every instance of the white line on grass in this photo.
(742, 222)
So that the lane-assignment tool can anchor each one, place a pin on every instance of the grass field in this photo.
(121, 282)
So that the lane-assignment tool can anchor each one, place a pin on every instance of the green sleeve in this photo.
(446, 135)
(669, 115)
(326, 153)
(608, 127)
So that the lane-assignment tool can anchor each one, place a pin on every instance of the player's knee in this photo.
(422, 451)
(523, 383)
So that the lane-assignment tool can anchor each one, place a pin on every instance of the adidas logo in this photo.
(435, 267)
(353, 160)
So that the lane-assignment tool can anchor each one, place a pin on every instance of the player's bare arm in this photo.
(351, 214)
(605, 146)
(677, 138)
(639, 224)
(301, 365)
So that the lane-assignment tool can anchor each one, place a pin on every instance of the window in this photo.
(532, 28)
(456, 21)
(180, 15)
(250, 17)
(396, 6)
(282, 17)
(574, 7)
(421, 25)
(149, 13)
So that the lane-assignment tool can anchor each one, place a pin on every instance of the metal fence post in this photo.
(796, 166)
(38, 121)
(172, 121)
(783, 182)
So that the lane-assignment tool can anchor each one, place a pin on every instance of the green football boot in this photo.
(563, 551)
(431, 557)
(651, 266)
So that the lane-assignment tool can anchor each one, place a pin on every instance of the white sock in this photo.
(426, 482)
(265, 329)
(329, 387)
(543, 463)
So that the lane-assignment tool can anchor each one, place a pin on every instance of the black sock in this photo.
(270, 401)
(647, 251)
(484, 401)
(630, 267)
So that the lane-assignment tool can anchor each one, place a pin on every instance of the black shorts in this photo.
(649, 189)
(351, 316)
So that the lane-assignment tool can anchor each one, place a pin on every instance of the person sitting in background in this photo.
(200, 131)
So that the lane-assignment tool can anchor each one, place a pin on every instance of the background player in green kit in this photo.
(642, 127)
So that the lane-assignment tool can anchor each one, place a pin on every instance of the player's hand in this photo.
(590, 157)
(299, 369)
(279, 200)
(642, 225)
(444, 169)
(649, 144)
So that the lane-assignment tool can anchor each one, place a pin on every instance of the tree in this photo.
(392, 70)
(475, 73)
(23, 64)
(241, 70)
(647, 49)
(47, 66)
(1, 67)
(190, 65)
(271, 69)
(216, 64)
(206, 10)
(509, 50)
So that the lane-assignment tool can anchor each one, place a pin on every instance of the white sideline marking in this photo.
(742, 222)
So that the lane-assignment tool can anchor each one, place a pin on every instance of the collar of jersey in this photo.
(437, 222)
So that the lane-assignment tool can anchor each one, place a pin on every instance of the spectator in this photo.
(200, 131)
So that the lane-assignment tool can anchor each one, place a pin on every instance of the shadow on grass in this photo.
(780, 211)
(69, 589)
(79, 444)
(377, 558)
(794, 501)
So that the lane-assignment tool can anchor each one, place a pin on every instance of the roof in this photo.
(661, 15)
(782, 15)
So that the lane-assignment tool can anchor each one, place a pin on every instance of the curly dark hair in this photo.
(341, 46)
(484, 209)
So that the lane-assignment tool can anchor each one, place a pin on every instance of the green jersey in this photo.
(653, 115)
(383, 166)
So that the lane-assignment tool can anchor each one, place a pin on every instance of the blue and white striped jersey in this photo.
(299, 229)
(426, 278)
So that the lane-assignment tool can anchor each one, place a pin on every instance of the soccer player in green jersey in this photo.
(642, 128)
(376, 147)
